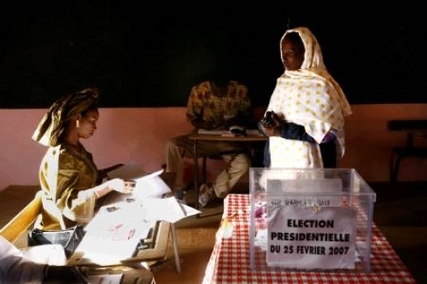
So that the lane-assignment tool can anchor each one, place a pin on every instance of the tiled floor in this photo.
(400, 213)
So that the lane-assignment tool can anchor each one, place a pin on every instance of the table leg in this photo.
(196, 173)
(175, 248)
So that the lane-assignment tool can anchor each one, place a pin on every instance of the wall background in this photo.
(139, 135)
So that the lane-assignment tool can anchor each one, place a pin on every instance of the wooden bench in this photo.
(20, 223)
(413, 128)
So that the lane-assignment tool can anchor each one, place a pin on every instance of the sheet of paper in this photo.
(151, 185)
(147, 185)
(168, 209)
(105, 278)
(119, 214)
(52, 254)
(113, 234)
(116, 230)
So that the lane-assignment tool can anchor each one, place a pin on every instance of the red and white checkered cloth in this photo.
(230, 259)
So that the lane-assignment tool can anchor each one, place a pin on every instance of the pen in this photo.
(131, 233)
(114, 228)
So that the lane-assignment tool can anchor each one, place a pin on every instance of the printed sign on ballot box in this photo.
(309, 225)
(308, 238)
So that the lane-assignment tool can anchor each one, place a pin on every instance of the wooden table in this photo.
(130, 275)
(230, 260)
(253, 136)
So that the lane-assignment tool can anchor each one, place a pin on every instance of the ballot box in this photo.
(310, 219)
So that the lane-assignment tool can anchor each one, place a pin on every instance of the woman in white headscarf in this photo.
(307, 108)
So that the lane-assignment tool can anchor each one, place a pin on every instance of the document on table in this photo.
(151, 185)
(116, 230)
(148, 190)
(113, 234)
(167, 209)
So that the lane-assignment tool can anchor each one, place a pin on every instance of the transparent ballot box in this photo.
(310, 219)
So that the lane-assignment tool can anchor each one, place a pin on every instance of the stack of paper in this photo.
(124, 220)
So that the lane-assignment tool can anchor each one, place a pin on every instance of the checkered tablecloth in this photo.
(230, 259)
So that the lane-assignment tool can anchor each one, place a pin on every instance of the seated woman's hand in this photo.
(122, 186)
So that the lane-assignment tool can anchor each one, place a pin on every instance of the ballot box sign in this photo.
(309, 225)
(311, 237)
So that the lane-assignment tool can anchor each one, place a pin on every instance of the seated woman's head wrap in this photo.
(52, 126)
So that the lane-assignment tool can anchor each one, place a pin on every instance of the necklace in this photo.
(75, 147)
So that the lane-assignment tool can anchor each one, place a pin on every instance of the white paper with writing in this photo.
(309, 238)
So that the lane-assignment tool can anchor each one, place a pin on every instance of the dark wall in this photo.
(144, 55)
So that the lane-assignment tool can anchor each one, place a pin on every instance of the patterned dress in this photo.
(309, 97)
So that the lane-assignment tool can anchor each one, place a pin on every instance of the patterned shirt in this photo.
(204, 103)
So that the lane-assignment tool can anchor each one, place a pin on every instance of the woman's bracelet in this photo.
(96, 193)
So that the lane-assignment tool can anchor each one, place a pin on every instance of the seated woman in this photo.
(69, 179)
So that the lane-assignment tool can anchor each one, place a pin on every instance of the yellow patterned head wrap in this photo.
(52, 125)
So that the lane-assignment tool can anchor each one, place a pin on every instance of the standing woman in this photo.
(307, 108)
(69, 179)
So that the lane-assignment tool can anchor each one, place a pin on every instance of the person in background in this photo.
(69, 179)
(304, 119)
(17, 268)
(214, 103)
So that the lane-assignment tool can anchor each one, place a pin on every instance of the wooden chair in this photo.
(414, 128)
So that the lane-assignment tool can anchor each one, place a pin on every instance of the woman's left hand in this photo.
(122, 186)
(271, 131)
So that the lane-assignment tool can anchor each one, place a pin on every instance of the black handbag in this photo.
(69, 238)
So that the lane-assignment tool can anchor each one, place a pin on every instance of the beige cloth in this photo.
(238, 163)
(312, 98)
